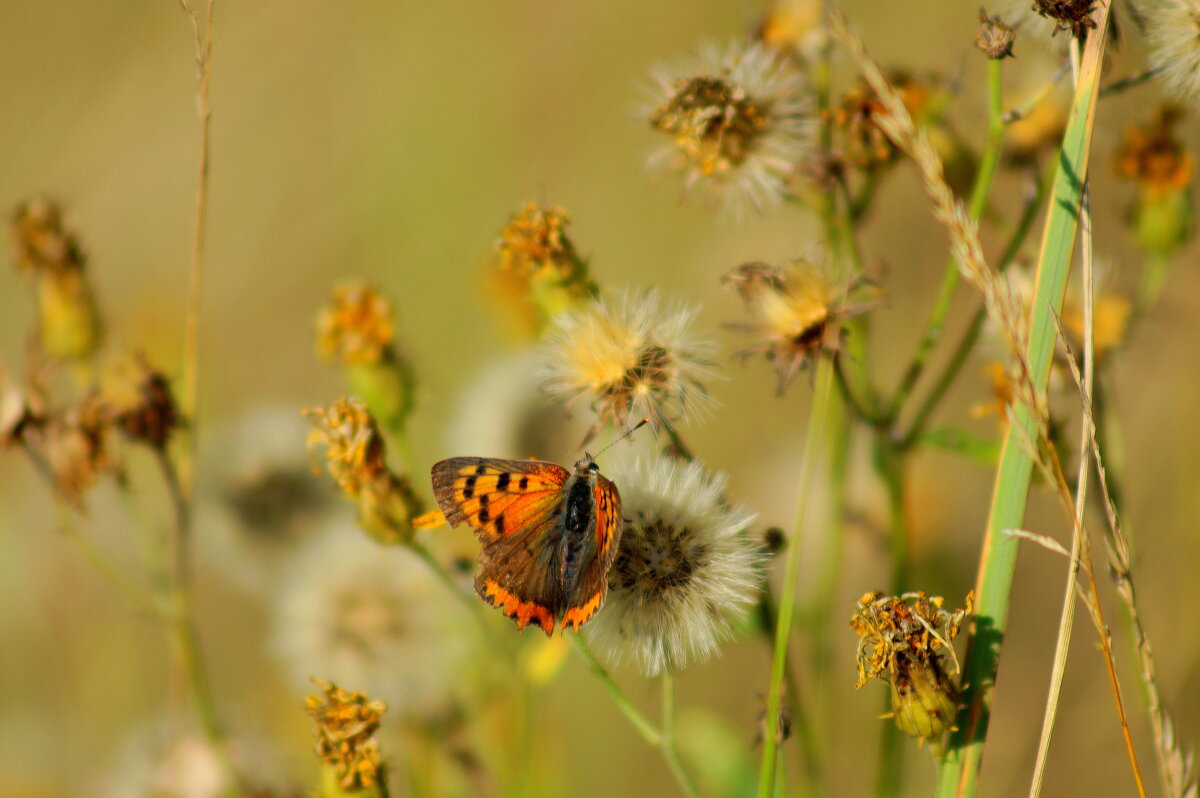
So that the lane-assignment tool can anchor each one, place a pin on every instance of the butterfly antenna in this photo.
(627, 433)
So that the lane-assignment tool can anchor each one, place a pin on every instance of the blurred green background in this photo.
(391, 141)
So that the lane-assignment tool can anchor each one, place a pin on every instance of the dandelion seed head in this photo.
(686, 569)
(631, 357)
(372, 618)
(1173, 33)
(260, 498)
(740, 121)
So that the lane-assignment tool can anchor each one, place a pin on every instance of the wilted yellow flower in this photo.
(1001, 389)
(355, 456)
(1154, 157)
(358, 328)
(793, 26)
(346, 723)
(859, 140)
(903, 640)
(76, 448)
(797, 314)
(45, 249)
(539, 268)
(140, 401)
(1110, 321)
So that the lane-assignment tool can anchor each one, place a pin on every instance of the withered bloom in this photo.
(797, 314)
(346, 723)
(358, 331)
(47, 251)
(539, 267)
(995, 38)
(139, 400)
(355, 457)
(740, 121)
(1155, 158)
(904, 640)
(1070, 15)
(858, 139)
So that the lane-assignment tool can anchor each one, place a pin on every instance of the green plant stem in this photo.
(801, 721)
(678, 445)
(818, 414)
(979, 193)
(645, 727)
(959, 773)
(139, 597)
(966, 344)
(661, 738)
(891, 465)
(667, 741)
(475, 608)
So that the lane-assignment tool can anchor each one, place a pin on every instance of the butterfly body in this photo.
(548, 535)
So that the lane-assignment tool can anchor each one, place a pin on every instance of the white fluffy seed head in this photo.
(372, 619)
(741, 121)
(629, 358)
(686, 570)
(1173, 32)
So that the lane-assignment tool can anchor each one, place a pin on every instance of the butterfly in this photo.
(548, 535)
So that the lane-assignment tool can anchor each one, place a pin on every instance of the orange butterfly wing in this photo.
(593, 584)
(514, 507)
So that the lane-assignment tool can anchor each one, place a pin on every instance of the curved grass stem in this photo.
(787, 601)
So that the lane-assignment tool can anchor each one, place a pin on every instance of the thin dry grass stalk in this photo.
(191, 354)
(1003, 306)
(1176, 767)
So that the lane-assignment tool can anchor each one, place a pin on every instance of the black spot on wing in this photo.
(469, 487)
(523, 484)
(498, 522)
(502, 481)
(484, 515)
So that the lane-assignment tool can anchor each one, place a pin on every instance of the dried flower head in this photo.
(376, 618)
(76, 447)
(346, 723)
(355, 456)
(540, 271)
(630, 358)
(358, 328)
(797, 314)
(1154, 156)
(686, 569)
(995, 38)
(69, 321)
(904, 641)
(739, 119)
(859, 140)
(1173, 31)
(1069, 15)
(41, 240)
(1111, 312)
(139, 399)
(1001, 391)
(535, 241)
(793, 27)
